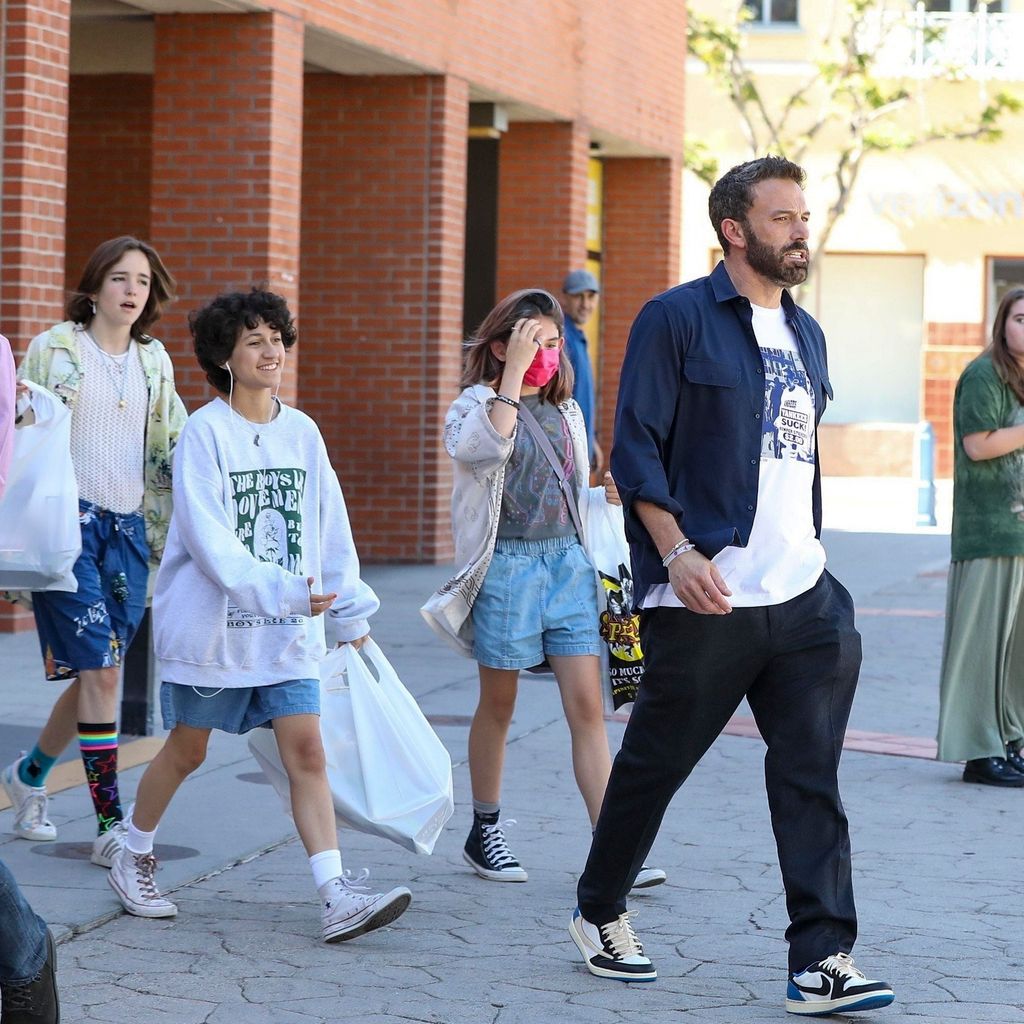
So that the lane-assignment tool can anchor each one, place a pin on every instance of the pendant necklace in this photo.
(117, 369)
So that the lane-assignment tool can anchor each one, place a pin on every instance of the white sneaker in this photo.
(29, 803)
(107, 845)
(133, 877)
(647, 877)
(350, 910)
(611, 950)
(835, 985)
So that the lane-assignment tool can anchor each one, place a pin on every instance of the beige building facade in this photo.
(931, 236)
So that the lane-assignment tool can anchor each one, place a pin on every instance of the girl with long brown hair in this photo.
(527, 591)
(981, 714)
(118, 382)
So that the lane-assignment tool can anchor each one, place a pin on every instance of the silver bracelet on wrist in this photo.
(677, 549)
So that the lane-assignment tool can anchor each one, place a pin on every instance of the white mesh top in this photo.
(108, 427)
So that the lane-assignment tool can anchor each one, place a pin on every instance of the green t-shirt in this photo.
(988, 495)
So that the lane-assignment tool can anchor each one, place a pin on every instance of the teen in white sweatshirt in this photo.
(259, 560)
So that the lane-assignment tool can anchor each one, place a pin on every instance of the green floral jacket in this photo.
(54, 361)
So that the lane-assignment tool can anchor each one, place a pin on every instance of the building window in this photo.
(961, 6)
(1004, 273)
(772, 12)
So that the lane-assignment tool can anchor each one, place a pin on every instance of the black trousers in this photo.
(797, 664)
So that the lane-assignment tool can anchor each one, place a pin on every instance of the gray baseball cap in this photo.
(577, 281)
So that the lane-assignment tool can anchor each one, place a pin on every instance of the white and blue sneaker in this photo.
(611, 950)
(834, 985)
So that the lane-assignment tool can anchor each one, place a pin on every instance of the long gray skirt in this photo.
(982, 683)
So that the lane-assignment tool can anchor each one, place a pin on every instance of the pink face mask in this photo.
(543, 367)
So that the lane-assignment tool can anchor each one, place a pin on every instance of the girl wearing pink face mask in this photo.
(526, 590)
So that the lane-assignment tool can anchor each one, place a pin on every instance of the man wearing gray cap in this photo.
(579, 300)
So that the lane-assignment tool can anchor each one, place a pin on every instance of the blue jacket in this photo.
(583, 373)
(689, 418)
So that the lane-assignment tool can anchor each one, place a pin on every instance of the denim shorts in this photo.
(237, 710)
(539, 597)
(93, 627)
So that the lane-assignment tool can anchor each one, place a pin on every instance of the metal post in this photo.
(924, 473)
(138, 673)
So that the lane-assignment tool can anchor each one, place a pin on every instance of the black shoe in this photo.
(993, 771)
(487, 852)
(1013, 756)
(37, 1001)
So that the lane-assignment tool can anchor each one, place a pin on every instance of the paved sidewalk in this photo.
(937, 872)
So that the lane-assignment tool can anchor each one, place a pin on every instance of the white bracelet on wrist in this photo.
(676, 550)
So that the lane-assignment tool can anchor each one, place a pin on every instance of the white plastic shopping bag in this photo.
(40, 538)
(389, 773)
(622, 660)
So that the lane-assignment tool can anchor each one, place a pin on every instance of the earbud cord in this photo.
(231, 391)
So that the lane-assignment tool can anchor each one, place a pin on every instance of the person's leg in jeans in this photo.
(22, 934)
(697, 670)
(801, 703)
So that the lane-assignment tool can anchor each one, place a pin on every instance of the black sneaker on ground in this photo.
(993, 771)
(611, 950)
(35, 1002)
(487, 852)
(834, 985)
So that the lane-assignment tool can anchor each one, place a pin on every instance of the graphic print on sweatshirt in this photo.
(268, 521)
(788, 425)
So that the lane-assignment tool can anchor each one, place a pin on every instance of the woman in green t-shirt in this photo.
(981, 712)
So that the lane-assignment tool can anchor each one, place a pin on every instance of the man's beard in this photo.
(771, 263)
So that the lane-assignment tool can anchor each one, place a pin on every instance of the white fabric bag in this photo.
(622, 661)
(40, 538)
(389, 773)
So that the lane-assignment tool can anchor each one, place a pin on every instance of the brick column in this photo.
(542, 204)
(35, 116)
(947, 350)
(227, 152)
(383, 227)
(641, 257)
(116, 201)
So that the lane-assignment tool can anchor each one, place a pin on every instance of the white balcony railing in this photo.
(920, 44)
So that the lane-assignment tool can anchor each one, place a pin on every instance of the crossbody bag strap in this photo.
(530, 421)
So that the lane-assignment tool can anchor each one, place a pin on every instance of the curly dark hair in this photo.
(217, 326)
(161, 290)
(733, 193)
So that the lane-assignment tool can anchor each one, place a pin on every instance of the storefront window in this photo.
(1004, 273)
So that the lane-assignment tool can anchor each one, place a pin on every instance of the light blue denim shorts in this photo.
(237, 710)
(539, 597)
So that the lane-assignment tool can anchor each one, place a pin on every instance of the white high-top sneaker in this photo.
(349, 910)
(133, 878)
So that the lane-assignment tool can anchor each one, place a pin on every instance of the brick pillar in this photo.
(35, 117)
(542, 204)
(947, 350)
(116, 201)
(227, 152)
(641, 257)
(383, 226)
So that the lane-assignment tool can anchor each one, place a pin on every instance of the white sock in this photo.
(325, 866)
(137, 841)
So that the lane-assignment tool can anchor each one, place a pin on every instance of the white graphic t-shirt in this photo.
(783, 558)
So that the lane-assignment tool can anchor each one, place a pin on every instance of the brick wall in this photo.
(948, 348)
(641, 258)
(384, 163)
(542, 204)
(227, 148)
(110, 138)
(33, 182)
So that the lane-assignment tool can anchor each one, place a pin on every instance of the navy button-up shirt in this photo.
(688, 423)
